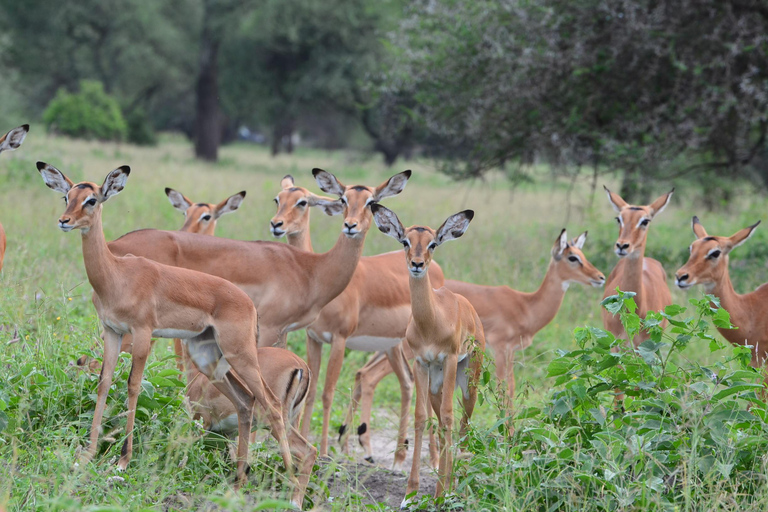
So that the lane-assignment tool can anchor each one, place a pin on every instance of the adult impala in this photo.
(510, 318)
(634, 272)
(446, 337)
(708, 266)
(8, 142)
(144, 298)
(371, 314)
(288, 286)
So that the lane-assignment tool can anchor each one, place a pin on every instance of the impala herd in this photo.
(229, 305)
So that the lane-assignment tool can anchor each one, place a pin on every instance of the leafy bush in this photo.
(90, 114)
(632, 429)
(140, 129)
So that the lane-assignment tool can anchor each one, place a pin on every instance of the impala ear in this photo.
(387, 222)
(229, 205)
(54, 178)
(13, 139)
(561, 244)
(392, 186)
(287, 182)
(616, 201)
(698, 229)
(178, 200)
(328, 206)
(328, 183)
(659, 204)
(114, 182)
(454, 226)
(739, 238)
(579, 241)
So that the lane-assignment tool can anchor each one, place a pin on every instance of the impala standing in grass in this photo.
(446, 337)
(708, 266)
(216, 319)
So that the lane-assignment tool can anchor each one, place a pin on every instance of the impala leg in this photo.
(399, 366)
(366, 380)
(357, 392)
(505, 368)
(178, 349)
(434, 456)
(314, 358)
(332, 372)
(421, 380)
(112, 342)
(306, 455)
(470, 399)
(140, 352)
(445, 422)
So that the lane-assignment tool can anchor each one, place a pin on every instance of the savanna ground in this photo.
(47, 321)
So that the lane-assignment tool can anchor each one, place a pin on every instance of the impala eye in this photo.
(714, 254)
(206, 217)
(432, 246)
(343, 200)
(66, 201)
(645, 222)
(618, 220)
(90, 202)
(276, 201)
(573, 258)
(302, 203)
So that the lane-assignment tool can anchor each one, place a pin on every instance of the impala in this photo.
(634, 272)
(446, 337)
(8, 142)
(288, 286)
(134, 295)
(371, 314)
(510, 318)
(708, 266)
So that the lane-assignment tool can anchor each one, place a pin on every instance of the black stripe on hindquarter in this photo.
(300, 399)
(290, 381)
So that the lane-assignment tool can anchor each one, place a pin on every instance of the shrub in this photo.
(140, 129)
(90, 113)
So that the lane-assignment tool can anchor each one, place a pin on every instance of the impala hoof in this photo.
(370, 459)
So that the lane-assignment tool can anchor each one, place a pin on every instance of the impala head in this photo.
(708, 261)
(420, 242)
(83, 200)
(293, 205)
(572, 265)
(634, 221)
(201, 217)
(13, 139)
(357, 199)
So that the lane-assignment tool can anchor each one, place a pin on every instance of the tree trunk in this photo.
(207, 130)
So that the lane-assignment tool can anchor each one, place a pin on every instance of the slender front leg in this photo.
(112, 343)
(445, 470)
(468, 402)
(404, 375)
(366, 379)
(305, 454)
(314, 358)
(141, 344)
(178, 349)
(335, 361)
(421, 378)
(505, 368)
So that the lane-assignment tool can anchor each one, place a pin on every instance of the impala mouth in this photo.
(66, 227)
(621, 252)
(277, 233)
(417, 272)
(683, 284)
(597, 283)
(351, 233)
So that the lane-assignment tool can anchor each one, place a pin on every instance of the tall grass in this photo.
(47, 319)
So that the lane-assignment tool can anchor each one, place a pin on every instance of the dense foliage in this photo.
(89, 113)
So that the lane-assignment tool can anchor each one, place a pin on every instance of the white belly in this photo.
(371, 343)
(118, 327)
(226, 425)
(173, 333)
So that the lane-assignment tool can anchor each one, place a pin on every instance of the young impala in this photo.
(288, 286)
(215, 318)
(510, 318)
(446, 337)
(371, 314)
(634, 272)
(8, 142)
(708, 266)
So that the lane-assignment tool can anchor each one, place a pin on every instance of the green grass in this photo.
(48, 321)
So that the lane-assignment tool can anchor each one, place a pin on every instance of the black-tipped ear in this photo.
(387, 222)
(454, 226)
(393, 186)
(328, 183)
(115, 182)
(287, 182)
(54, 178)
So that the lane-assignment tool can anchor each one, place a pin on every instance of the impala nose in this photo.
(275, 224)
(622, 247)
(681, 280)
(350, 226)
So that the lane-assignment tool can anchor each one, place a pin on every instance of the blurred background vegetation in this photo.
(653, 89)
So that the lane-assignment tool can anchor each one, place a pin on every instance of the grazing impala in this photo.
(510, 318)
(8, 142)
(288, 286)
(371, 314)
(144, 298)
(446, 337)
(708, 266)
(634, 272)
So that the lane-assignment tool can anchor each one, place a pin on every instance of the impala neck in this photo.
(422, 301)
(546, 301)
(632, 279)
(99, 262)
(723, 289)
(301, 239)
(336, 267)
